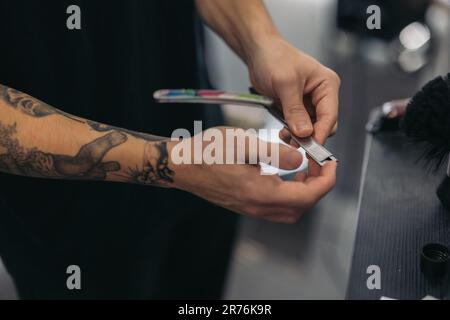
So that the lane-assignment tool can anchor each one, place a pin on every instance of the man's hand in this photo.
(307, 91)
(242, 189)
(70, 147)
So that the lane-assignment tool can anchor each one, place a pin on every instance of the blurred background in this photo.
(312, 259)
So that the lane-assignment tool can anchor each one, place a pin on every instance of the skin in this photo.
(69, 147)
(38, 140)
(242, 189)
(307, 91)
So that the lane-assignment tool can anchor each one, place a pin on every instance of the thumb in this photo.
(290, 158)
(295, 113)
(279, 155)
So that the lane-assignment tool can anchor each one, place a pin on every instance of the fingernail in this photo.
(303, 127)
(284, 134)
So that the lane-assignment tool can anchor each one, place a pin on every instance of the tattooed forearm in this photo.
(36, 108)
(29, 105)
(89, 162)
(155, 168)
(99, 127)
(86, 164)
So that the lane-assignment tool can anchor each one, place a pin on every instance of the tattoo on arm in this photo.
(29, 105)
(86, 164)
(36, 108)
(155, 168)
(99, 127)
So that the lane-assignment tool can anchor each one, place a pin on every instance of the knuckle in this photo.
(334, 76)
(297, 109)
(292, 218)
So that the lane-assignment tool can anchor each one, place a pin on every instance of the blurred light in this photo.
(445, 3)
(414, 41)
(415, 36)
(411, 62)
(375, 51)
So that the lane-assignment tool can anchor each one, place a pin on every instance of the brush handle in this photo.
(211, 96)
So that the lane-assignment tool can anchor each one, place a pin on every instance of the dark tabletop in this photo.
(399, 213)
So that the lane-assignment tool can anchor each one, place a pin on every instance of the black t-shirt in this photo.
(129, 241)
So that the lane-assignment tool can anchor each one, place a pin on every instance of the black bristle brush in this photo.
(427, 122)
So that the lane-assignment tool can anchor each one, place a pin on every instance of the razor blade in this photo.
(316, 151)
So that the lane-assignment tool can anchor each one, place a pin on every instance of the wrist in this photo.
(184, 171)
(155, 168)
(258, 42)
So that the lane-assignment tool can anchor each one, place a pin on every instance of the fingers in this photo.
(334, 130)
(247, 148)
(305, 192)
(327, 108)
(300, 177)
(314, 168)
(290, 158)
(286, 137)
(324, 182)
(327, 113)
(278, 155)
(291, 98)
(286, 201)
